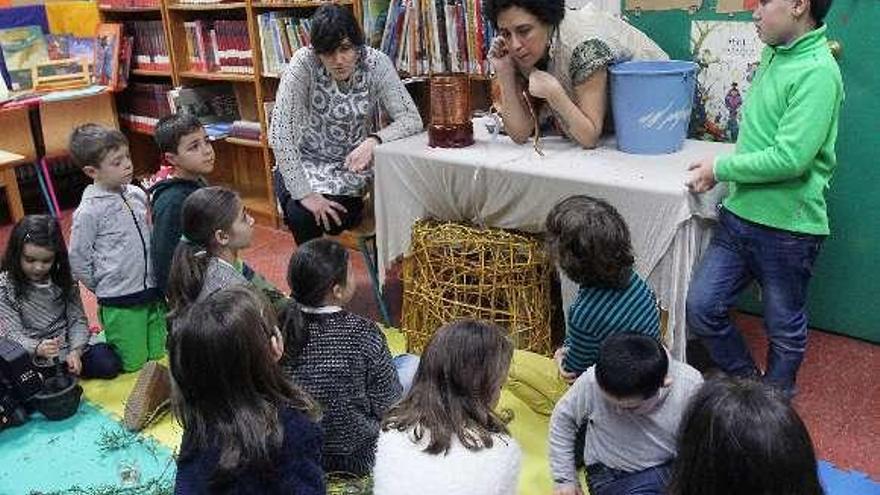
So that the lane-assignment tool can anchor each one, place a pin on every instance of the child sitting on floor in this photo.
(190, 157)
(340, 358)
(741, 436)
(590, 242)
(110, 247)
(444, 436)
(246, 428)
(628, 406)
(216, 227)
(40, 307)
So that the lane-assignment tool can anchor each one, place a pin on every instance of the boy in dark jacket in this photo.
(189, 156)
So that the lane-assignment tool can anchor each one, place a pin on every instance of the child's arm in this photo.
(276, 298)
(802, 131)
(77, 323)
(383, 386)
(571, 410)
(82, 248)
(164, 238)
(11, 325)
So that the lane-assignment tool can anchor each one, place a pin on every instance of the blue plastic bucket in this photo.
(651, 103)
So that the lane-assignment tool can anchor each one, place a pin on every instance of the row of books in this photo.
(127, 4)
(141, 105)
(429, 36)
(281, 34)
(150, 49)
(219, 46)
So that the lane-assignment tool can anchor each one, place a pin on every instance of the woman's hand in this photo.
(543, 85)
(74, 362)
(500, 58)
(702, 176)
(361, 158)
(48, 348)
(323, 210)
(559, 357)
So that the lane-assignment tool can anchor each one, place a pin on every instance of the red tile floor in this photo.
(839, 382)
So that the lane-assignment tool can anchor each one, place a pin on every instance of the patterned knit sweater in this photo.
(346, 366)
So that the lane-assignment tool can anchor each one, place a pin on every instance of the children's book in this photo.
(23, 48)
(107, 53)
(59, 46)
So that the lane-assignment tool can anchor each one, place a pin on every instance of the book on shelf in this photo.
(108, 41)
(219, 46)
(126, 44)
(150, 50)
(434, 36)
(127, 4)
(215, 105)
(141, 105)
(281, 34)
(246, 129)
(23, 49)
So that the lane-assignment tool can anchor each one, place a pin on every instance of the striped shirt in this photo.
(597, 313)
(42, 314)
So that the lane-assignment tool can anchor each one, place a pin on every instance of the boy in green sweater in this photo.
(774, 218)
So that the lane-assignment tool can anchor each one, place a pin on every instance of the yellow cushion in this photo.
(534, 379)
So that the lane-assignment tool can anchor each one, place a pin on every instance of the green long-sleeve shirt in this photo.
(785, 156)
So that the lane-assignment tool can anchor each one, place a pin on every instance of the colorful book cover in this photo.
(58, 46)
(23, 48)
(107, 53)
(727, 54)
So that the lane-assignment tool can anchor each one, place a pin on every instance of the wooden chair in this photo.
(16, 149)
(363, 239)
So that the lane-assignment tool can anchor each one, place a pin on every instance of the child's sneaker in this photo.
(150, 395)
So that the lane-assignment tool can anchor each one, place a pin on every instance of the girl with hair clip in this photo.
(246, 428)
(741, 436)
(216, 227)
(444, 437)
(40, 306)
(340, 358)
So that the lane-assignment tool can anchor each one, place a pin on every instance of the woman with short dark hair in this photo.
(551, 65)
(323, 125)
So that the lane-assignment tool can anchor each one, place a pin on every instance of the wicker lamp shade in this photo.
(459, 271)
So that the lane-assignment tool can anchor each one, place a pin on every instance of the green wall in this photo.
(845, 292)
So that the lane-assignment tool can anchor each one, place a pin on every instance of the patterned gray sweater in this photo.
(317, 122)
(42, 314)
(346, 366)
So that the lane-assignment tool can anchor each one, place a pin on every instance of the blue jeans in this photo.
(782, 263)
(406, 366)
(604, 480)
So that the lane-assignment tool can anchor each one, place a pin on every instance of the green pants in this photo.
(137, 333)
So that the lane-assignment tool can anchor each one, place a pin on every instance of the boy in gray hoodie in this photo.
(110, 246)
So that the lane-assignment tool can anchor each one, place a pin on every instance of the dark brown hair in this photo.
(741, 436)
(458, 381)
(550, 12)
(228, 390)
(590, 241)
(314, 269)
(43, 231)
(172, 128)
(204, 212)
(90, 143)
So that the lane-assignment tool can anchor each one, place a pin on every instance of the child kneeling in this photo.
(628, 406)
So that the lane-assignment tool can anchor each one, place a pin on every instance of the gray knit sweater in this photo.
(346, 366)
(42, 313)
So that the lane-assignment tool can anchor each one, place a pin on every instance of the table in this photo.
(8, 161)
(499, 184)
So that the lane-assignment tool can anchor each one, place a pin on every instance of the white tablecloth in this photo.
(500, 184)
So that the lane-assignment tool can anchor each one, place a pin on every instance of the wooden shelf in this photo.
(294, 5)
(207, 6)
(271, 75)
(114, 10)
(151, 73)
(217, 76)
(245, 142)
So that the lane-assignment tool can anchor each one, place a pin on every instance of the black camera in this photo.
(19, 382)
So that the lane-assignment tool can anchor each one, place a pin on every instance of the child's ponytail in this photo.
(204, 213)
(314, 269)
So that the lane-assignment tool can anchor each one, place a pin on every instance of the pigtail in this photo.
(187, 275)
(295, 331)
